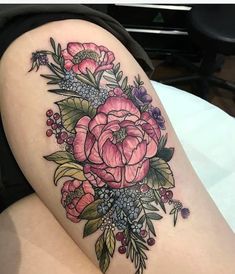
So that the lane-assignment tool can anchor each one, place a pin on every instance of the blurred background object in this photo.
(192, 46)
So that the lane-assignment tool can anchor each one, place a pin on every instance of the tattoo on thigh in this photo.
(113, 149)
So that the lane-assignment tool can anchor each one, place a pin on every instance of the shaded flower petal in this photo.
(68, 65)
(74, 48)
(115, 104)
(110, 149)
(90, 140)
(87, 188)
(75, 69)
(84, 201)
(104, 67)
(87, 64)
(135, 173)
(94, 155)
(72, 218)
(108, 58)
(97, 123)
(145, 116)
(66, 55)
(92, 47)
(80, 139)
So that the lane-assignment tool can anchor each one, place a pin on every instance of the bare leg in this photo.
(202, 243)
(32, 242)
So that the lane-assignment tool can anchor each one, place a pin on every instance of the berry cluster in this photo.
(95, 96)
(167, 197)
(56, 128)
(121, 237)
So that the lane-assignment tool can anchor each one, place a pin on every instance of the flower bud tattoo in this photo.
(113, 147)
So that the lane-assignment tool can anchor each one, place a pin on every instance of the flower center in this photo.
(85, 54)
(120, 135)
(78, 193)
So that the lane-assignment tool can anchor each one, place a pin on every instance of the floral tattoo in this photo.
(112, 148)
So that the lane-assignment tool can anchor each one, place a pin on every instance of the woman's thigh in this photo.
(33, 242)
(120, 145)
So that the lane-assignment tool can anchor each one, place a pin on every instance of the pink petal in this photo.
(66, 55)
(151, 146)
(145, 116)
(108, 58)
(104, 67)
(107, 134)
(80, 138)
(118, 92)
(72, 218)
(150, 131)
(90, 140)
(142, 171)
(112, 126)
(92, 176)
(127, 123)
(63, 198)
(94, 155)
(74, 47)
(135, 173)
(92, 47)
(134, 131)
(68, 65)
(103, 172)
(72, 211)
(121, 115)
(87, 64)
(128, 145)
(138, 153)
(131, 172)
(120, 148)
(87, 188)
(65, 187)
(84, 201)
(115, 104)
(102, 48)
(134, 151)
(72, 187)
(74, 202)
(97, 123)
(75, 68)
(117, 173)
(76, 183)
(111, 155)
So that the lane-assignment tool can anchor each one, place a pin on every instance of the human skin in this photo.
(203, 243)
(24, 245)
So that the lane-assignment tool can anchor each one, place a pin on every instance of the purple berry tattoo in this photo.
(113, 160)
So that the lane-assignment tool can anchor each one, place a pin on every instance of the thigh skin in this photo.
(33, 242)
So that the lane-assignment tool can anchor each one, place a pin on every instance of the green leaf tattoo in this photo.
(73, 109)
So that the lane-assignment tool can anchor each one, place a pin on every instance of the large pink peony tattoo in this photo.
(113, 149)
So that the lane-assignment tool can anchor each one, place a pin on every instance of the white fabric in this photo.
(208, 136)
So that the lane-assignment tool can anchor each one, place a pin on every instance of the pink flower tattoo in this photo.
(80, 57)
(117, 143)
(112, 158)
